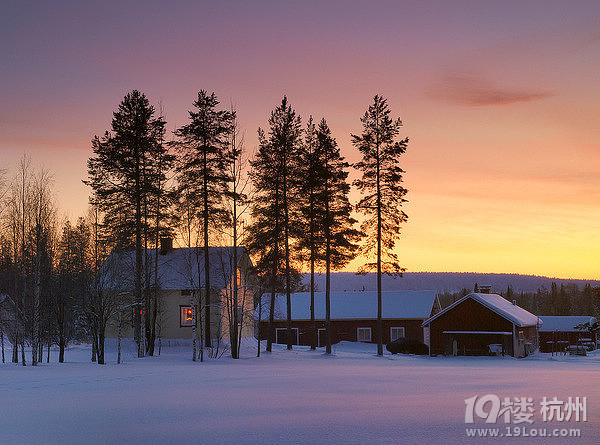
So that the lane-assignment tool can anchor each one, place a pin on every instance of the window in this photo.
(396, 333)
(281, 336)
(363, 334)
(186, 317)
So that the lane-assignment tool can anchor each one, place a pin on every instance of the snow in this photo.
(565, 323)
(479, 332)
(297, 396)
(354, 305)
(501, 306)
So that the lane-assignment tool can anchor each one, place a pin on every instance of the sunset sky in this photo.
(500, 100)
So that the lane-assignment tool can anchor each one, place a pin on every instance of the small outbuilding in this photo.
(353, 316)
(559, 332)
(483, 324)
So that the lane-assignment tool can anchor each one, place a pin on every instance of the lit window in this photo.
(396, 333)
(187, 316)
(363, 334)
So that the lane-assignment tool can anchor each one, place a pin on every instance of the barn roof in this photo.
(354, 305)
(499, 305)
(565, 323)
(177, 269)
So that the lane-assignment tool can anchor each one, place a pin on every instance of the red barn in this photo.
(559, 332)
(482, 324)
(353, 316)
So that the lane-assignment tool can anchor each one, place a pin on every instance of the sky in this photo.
(500, 100)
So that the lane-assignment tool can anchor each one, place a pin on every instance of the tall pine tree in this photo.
(274, 175)
(328, 236)
(340, 236)
(383, 193)
(204, 161)
(310, 209)
(120, 175)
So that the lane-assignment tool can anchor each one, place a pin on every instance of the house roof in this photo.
(353, 305)
(177, 269)
(565, 323)
(498, 304)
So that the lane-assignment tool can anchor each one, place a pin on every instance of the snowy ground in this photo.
(284, 397)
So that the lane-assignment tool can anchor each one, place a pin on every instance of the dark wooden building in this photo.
(559, 332)
(482, 324)
(353, 316)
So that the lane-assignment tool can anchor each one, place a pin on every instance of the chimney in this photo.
(485, 289)
(166, 245)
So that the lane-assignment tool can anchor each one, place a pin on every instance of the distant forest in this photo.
(539, 295)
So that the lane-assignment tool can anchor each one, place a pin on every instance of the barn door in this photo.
(322, 337)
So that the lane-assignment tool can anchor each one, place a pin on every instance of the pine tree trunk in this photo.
(2, 340)
(94, 346)
(274, 271)
(327, 269)
(15, 349)
(36, 300)
(23, 353)
(194, 324)
(379, 321)
(286, 240)
(207, 321)
(101, 344)
(313, 323)
(48, 353)
(259, 321)
(235, 353)
(61, 338)
(138, 260)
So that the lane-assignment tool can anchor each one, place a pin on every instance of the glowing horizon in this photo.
(500, 102)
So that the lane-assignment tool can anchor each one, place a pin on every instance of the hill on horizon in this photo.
(440, 281)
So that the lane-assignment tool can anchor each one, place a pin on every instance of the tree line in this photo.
(563, 299)
(289, 206)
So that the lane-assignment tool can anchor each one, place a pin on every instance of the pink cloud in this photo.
(471, 91)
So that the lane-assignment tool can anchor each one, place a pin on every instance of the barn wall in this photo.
(526, 335)
(346, 330)
(571, 337)
(467, 316)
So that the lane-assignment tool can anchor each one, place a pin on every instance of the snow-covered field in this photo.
(294, 396)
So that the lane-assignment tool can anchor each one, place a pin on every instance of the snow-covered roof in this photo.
(498, 304)
(353, 305)
(479, 332)
(565, 323)
(177, 269)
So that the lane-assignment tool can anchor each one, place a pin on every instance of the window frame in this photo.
(397, 327)
(181, 324)
(365, 329)
(285, 329)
